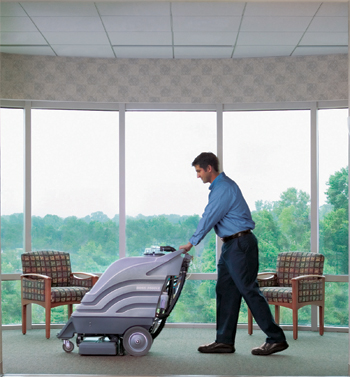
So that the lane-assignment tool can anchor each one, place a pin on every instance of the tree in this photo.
(338, 190)
(334, 226)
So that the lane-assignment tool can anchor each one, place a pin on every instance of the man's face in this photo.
(205, 175)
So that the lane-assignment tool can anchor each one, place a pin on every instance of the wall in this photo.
(272, 79)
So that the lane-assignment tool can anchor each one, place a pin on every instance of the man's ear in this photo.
(209, 169)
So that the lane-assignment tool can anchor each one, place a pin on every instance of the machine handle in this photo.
(167, 248)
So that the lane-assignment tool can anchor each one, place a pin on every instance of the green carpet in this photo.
(175, 352)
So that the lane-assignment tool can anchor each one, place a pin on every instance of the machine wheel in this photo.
(68, 346)
(137, 341)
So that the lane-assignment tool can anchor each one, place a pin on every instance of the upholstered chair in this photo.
(298, 281)
(48, 281)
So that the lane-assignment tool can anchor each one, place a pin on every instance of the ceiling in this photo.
(159, 29)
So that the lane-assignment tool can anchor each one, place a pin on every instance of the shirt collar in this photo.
(219, 178)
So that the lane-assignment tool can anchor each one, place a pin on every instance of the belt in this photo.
(236, 235)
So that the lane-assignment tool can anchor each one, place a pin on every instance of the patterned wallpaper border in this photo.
(272, 79)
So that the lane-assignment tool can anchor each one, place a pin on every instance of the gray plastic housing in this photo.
(95, 347)
(126, 295)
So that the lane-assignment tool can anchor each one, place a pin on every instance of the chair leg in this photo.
(24, 319)
(70, 310)
(321, 319)
(295, 324)
(277, 314)
(47, 322)
(250, 322)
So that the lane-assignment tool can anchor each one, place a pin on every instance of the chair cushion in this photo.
(55, 264)
(308, 291)
(277, 294)
(66, 294)
(296, 263)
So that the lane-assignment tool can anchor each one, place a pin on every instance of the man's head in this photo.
(205, 159)
(207, 166)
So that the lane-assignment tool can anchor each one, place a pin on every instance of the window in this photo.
(268, 154)
(75, 185)
(11, 121)
(333, 189)
(164, 200)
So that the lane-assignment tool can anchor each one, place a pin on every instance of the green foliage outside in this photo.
(93, 242)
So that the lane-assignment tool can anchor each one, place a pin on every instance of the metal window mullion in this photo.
(122, 207)
(348, 167)
(220, 154)
(314, 162)
(27, 200)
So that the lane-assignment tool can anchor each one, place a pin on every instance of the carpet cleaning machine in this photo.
(128, 306)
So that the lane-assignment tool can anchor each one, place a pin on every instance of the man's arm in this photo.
(186, 247)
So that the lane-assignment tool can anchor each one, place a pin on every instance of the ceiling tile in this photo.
(132, 8)
(27, 50)
(75, 38)
(258, 51)
(59, 8)
(205, 38)
(202, 52)
(140, 38)
(329, 24)
(216, 24)
(16, 24)
(320, 50)
(276, 24)
(207, 8)
(22, 38)
(93, 51)
(144, 52)
(68, 23)
(325, 39)
(275, 9)
(268, 38)
(11, 9)
(333, 9)
(136, 23)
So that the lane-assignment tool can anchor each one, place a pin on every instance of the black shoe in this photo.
(217, 348)
(269, 348)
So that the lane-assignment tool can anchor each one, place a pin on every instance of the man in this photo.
(228, 212)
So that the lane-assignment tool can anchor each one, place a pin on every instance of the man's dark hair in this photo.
(205, 159)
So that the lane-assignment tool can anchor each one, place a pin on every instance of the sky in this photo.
(75, 158)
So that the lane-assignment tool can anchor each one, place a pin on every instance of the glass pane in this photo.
(337, 304)
(333, 189)
(58, 314)
(11, 121)
(268, 154)
(164, 200)
(11, 302)
(197, 303)
(75, 188)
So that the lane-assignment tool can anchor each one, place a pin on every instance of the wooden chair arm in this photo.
(83, 273)
(311, 277)
(267, 275)
(36, 276)
(87, 276)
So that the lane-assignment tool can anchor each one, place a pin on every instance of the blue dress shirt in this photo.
(226, 211)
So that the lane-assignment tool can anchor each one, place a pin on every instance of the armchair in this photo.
(298, 281)
(47, 280)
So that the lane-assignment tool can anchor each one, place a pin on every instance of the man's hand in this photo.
(186, 247)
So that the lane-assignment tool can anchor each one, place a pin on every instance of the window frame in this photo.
(122, 108)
